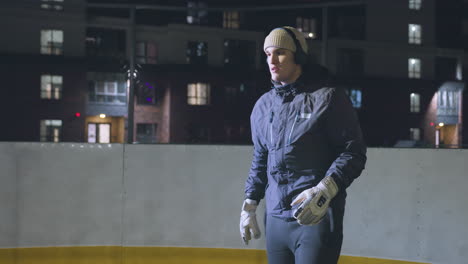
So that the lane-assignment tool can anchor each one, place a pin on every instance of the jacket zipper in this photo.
(294, 124)
(271, 128)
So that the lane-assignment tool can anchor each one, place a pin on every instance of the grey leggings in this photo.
(291, 243)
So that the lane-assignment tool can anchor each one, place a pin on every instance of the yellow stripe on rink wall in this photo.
(364, 260)
(152, 255)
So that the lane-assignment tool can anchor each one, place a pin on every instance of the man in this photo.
(308, 149)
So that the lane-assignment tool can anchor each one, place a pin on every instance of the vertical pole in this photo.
(324, 36)
(460, 119)
(131, 104)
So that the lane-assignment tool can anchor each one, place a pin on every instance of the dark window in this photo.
(199, 133)
(146, 133)
(347, 23)
(146, 52)
(350, 62)
(105, 43)
(307, 26)
(239, 53)
(197, 52)
(235, 94)
(446, 68)
(146, 94)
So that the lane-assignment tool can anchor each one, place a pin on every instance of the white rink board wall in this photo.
(8, 198)
(66, 194)
(407, 205)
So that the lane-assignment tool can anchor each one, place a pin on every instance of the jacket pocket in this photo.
(296, 119)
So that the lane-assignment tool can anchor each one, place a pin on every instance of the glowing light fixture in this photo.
(441, 124)
(102, 115)
(311, 35)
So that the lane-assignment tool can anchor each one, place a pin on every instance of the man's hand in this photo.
(248, 221)
(314, 202)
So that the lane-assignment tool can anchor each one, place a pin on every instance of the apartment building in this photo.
(199, 71)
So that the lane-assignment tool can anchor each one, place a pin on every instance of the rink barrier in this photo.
(408, 204)
(144, 255)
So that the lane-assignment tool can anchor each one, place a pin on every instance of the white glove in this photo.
(315, 202)
(248, 221)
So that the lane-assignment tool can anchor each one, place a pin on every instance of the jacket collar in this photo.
(313, 77)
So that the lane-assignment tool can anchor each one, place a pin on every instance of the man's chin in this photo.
(275, 78)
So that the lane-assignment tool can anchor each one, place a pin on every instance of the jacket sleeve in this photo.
(257, 179)
(346, 139)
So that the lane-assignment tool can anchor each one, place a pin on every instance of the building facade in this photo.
(199, 71)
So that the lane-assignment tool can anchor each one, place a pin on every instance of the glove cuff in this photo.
(329, 184)
(249, 205)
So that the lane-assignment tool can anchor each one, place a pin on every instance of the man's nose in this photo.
(273, 59)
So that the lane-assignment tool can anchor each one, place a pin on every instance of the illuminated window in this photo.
(307, 26)
(231, 19)
(447, 103)
(414, 34)
(110, 92)
(51, 130)
(146, 52)
(51, 87)
(197, 13)
(198, 94)
(55, 5)
(414, 68)
(415, 103)
(197, 52)
(447, 99)
(415, 4)
(415, 134)
(52, 42)
(356, 98)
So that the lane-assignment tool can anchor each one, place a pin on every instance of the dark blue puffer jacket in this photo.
(302, 133)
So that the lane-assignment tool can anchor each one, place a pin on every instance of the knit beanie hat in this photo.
(280, 38)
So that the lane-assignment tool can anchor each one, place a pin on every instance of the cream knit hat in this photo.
(280, 38)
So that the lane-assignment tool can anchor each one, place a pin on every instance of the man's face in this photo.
(281, 65)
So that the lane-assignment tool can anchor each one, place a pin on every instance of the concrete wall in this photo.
(409, 204)
(8, 196)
